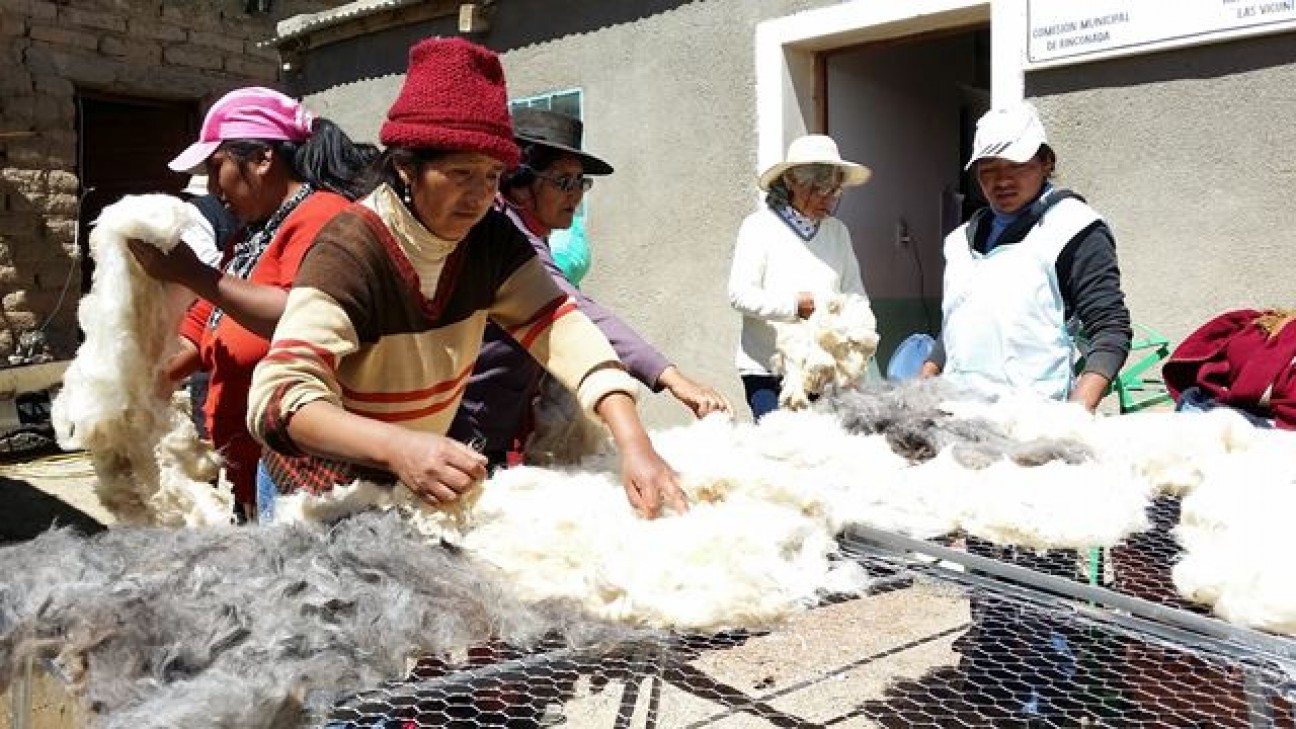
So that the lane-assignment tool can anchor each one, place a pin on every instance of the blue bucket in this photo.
(907, 360)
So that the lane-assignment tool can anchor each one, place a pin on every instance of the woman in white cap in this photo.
(1018, 275)
(790, 253)
(214, 227)
(1023, 274)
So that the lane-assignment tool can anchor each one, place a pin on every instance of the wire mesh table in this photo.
(974, 637)
(961, 634)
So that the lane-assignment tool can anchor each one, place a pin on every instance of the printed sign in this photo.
(1067, 29)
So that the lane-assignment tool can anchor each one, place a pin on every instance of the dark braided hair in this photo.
(328, 160)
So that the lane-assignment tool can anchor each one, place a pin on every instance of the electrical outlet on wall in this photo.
(902, 237)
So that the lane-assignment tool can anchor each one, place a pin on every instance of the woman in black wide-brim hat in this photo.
(542, 195)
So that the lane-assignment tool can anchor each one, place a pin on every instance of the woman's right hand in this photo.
(180, 265)
(805, 304)
(437, 468)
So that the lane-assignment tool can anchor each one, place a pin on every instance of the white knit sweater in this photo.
(771, 265)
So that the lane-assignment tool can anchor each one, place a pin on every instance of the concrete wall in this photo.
(1189, 154)
(669, 100)
(50, 51)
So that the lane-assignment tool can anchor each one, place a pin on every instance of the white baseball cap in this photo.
(1013, 133)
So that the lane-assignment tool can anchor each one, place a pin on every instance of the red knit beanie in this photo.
(454, 100)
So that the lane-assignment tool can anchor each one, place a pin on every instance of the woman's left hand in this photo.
(702, 400)
(1089, 390)
(650, 483)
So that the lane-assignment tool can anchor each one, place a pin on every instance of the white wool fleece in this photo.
(768, 498)
(1230, 529)
(734, 562)
(832, 347)
(434, 522)
(145, 452)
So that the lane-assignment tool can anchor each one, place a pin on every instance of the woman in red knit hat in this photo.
(385, 319)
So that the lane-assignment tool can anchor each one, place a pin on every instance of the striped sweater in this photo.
(386, 320)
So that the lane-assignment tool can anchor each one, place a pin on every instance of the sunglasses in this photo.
(568, 183)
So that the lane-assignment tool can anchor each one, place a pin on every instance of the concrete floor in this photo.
(34, 496)
(54, 490)
(857, 663)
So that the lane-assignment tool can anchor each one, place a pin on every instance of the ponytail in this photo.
(329, 160)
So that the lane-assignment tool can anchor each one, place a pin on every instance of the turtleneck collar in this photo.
(1000, 222)
(421, 242)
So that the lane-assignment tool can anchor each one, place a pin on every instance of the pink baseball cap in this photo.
(254, 112)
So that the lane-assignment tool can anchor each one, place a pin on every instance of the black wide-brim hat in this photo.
(556, 131)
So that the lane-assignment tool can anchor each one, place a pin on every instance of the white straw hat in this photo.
(816, 149)
(1014, 133)
(197, 186)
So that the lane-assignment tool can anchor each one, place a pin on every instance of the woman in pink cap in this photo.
(385, 320)
(283, 174)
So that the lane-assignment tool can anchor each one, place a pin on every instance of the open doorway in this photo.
(907, 107)
(125, 145)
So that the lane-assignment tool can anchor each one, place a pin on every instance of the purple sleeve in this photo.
(641, 359)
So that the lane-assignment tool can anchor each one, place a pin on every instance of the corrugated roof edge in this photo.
(299, 25)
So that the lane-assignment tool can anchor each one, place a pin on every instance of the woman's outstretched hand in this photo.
(650, 483)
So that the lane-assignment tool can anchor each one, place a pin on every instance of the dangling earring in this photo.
(405, 196)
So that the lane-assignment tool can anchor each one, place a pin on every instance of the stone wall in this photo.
(52, 49)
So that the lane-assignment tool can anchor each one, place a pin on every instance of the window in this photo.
(563, 102)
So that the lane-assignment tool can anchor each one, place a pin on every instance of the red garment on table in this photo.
(1234, 361)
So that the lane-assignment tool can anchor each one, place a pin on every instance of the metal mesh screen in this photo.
(963, 635)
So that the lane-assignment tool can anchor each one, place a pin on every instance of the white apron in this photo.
(1003, 326)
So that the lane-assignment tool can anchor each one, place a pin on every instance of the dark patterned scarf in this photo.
(247, 252)
(804, 226)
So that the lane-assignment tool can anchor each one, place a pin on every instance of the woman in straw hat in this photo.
(282, 173)
(789, 253)
(540, 196)
(386, 316)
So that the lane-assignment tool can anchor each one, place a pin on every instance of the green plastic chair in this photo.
(1136, 389)
(1138, 385)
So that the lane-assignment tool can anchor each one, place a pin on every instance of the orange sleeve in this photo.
(195, 321)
